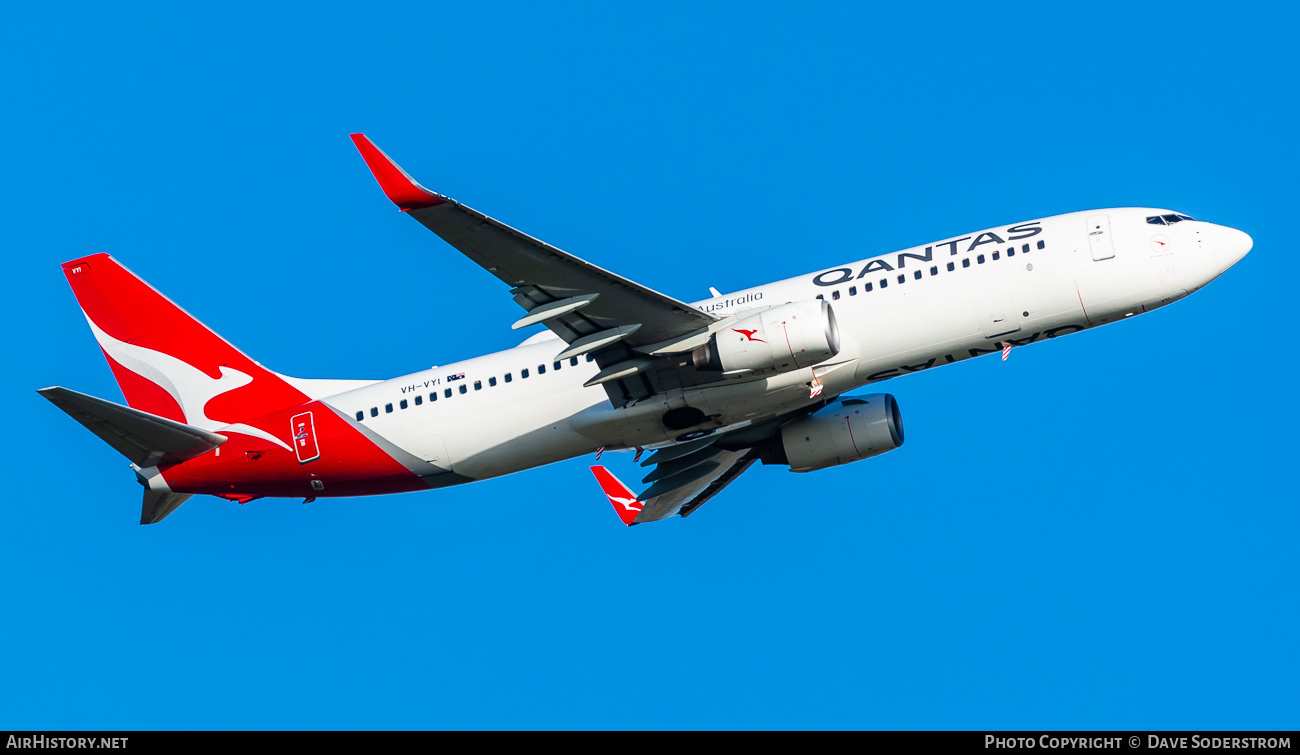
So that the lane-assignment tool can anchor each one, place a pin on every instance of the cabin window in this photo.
(360, 416)
(917, 275)
(853, 290)
(541, 369)
(478, 385)
(1025, 248)
(902, 278)
(573, 361)
(995, 255)
(835, 295)
(492, 381)
(403, 404)
(819, 296)
(419, 400)
(523, 373)
(884, 283)
(1011, 251)
(590, 358)
(1041, 244)
(557, 365)
(934, 270)
(965, 262)
(447, 393)
(951, 267)
(980, 259)
(374, 411)
(866, 287)
(433, 396)
(388, 408)
(464, 389)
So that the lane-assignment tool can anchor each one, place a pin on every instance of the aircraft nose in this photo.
(1230, 245)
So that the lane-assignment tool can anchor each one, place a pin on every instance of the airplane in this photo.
(769, 374)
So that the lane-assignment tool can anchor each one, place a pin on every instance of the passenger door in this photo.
(1099, 240)
(303, 431)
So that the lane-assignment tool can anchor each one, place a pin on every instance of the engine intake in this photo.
(846, 430)
(780, 339)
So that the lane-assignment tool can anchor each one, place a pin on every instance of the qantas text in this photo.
(993, 349)
(845, 274)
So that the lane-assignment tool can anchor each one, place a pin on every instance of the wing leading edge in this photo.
(591, 309)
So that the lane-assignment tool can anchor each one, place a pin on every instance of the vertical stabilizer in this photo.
(166, 362)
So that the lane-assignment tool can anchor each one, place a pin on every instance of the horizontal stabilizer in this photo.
(145, 439)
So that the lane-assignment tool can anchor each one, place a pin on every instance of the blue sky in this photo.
(1099, 533)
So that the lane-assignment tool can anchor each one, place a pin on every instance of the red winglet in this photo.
(623, 500)
(396, 183)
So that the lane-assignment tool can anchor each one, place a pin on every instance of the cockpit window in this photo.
(1167, 219)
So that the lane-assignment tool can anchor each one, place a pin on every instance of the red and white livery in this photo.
(767, 374)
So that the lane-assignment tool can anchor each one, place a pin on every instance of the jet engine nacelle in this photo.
(845, 430)
(780, 339)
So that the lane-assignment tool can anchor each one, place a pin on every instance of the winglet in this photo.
(397, 184)
(623, 500)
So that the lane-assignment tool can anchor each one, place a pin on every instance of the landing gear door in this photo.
(1099, 240)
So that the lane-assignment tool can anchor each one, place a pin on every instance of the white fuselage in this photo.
(1022, 284)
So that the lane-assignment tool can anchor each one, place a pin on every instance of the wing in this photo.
(681, 483)
(591, 309)
(687, 474)
(685, 491)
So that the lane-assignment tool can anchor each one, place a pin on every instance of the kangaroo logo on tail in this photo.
(191, 388)
(170, 364)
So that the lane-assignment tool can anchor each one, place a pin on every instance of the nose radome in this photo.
(1231, 245)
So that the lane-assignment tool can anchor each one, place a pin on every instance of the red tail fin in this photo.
(623, 500)
(166, 362)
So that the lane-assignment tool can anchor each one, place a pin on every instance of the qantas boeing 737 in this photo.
(765, 374)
